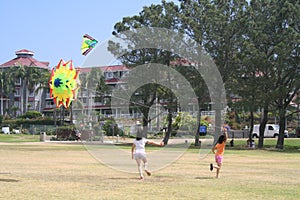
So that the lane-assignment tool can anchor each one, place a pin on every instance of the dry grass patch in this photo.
(68, 171)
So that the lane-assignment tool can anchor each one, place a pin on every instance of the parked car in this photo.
(271, 130)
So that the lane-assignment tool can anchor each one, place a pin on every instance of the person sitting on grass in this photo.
(218, 150)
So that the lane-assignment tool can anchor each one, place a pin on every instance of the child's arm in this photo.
(132, 150)
(226, 136)
(155, 143)
(213, 149)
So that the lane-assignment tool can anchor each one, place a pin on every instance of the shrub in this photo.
(31, 114)
(111, 128)
(65, 132)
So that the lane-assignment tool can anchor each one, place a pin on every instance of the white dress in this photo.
(140, 152)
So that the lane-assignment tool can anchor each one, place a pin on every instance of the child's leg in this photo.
(146, 166)
(219, 160)
(138, 161)
(218, 169)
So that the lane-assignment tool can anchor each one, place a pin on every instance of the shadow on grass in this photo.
(121, 178)
(204, 177)
(8, 180)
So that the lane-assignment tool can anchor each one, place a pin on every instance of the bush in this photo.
(66, 133)
(111, 128)
(31, 114)
(15, 123)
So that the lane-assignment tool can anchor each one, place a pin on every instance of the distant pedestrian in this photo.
(77, 135)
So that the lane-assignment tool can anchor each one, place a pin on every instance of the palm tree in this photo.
(40, 86)
(6, 85)
(30, 77)
(91, 84)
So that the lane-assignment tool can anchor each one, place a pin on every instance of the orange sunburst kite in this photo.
(64, 83)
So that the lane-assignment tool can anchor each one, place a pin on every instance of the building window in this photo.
(49, 104)
(18, 81)
(31, 106)
(31, 94)
(16, 104)
(109, 75)
(84, 93)
(17, 92)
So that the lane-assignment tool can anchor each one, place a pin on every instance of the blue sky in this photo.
(53, 29)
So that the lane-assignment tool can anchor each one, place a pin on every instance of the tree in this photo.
(164, 16)
(6, 85)
(271, 49)
(30, 77)
(285, 38)
(216, 25)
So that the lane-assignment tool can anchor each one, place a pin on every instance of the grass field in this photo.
(44, 170)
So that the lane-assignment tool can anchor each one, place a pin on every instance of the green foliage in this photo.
(204, 123)
(16, 138)
(25, 123)
(31, 114)
(66, 133)
(111, 128)
(184, 121)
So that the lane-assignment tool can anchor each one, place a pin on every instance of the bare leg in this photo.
(146, 166)
(218, 167)
(138, 161)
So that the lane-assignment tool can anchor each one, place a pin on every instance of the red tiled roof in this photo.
(112, 80)
(112, 68)
(30, 62)
(24, 51)
(24, 57)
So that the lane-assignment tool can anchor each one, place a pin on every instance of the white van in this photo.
(271, 130)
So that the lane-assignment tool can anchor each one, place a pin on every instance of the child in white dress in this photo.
(139, 154)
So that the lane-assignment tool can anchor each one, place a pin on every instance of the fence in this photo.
(37, 129)
(238, 134)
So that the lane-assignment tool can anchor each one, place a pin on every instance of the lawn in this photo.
(19, 138)
(48, 170)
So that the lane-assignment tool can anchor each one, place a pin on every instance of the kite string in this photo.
(129, 101)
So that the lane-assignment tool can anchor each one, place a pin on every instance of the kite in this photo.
(63, 83)
(88, 43)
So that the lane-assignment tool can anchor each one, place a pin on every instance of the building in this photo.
(90, 102)
(42, 102)
(20, 98)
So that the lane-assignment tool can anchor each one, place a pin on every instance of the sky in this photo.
(53, 29)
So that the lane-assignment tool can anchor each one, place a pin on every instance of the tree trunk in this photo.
(145, 112)
(71, 113)
(168, 133)
(218, 124)
(54, 116)
(26, 98)
(251, 125)
(2, 97)
(2, 104)
(280, 140)
(262, 127)
(197, 134)
(21, 98)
